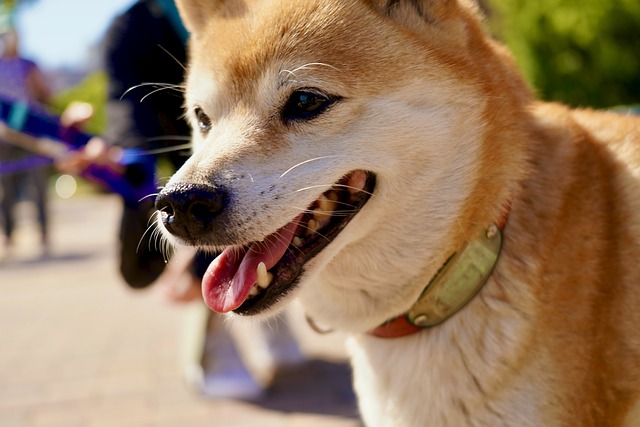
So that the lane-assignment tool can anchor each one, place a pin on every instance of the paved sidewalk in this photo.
(77, 348)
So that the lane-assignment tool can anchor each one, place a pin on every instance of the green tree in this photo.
(7, 11)
(584, 53)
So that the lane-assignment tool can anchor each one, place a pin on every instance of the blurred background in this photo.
(583, 53)
(80, 348)
(64, 37)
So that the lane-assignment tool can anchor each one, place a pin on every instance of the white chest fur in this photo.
(451, 375)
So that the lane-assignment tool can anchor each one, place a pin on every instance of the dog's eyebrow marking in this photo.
(307, 161)
(292, 73)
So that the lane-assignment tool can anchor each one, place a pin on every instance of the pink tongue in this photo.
(229, 278)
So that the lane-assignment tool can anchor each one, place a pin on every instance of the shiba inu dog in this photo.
(383, 162)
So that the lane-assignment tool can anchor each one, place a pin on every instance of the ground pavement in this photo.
(77, 348)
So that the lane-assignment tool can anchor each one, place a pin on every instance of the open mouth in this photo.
(251, 278)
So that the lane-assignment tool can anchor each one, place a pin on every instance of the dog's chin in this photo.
(252, 279)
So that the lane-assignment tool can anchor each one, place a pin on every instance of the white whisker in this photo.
(151, 228)
(305, 66)
(167, 149)
(283, 240)
(177, 88)
(173, 57)
(169, 138)
(156, 91)
(336, 213)
(316, 232)
(149, 196)
(308, 161)
(328, 186)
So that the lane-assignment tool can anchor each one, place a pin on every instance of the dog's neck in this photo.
(455, 284)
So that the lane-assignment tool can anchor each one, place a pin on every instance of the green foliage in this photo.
(92, 90)
(581, 52)
(7, 11)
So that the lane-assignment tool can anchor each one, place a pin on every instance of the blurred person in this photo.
(144, 57)
(144, 51)
(22, 81)
(139, 118)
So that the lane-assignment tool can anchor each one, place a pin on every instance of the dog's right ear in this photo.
(450, 16)
(195, 13)
(431, 11)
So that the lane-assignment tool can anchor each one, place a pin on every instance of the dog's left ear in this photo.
(194, 13)
(451, 16)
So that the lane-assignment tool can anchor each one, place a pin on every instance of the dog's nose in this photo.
(189, 210)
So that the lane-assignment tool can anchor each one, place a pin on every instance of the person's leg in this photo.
(141, 256)
(40, 178)
(9, 199)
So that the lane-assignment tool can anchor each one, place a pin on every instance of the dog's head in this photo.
(342, 149)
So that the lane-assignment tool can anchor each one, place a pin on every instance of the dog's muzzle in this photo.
(249, 277)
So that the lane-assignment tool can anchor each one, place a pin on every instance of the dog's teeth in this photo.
(312, 226)
(255, 290)
(323, 222)
(267, 281)
(325, 209)
(328, 203)
(264, 277)
(298, 242)
(333, 196)
(320, 214)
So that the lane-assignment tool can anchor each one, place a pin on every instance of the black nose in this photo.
(189, 210)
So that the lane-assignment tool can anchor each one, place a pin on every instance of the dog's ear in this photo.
(430, 11)
(448, 15)
(195, 13)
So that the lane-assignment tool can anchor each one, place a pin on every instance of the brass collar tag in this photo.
(458, 281)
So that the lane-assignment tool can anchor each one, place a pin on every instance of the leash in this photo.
(31, 129)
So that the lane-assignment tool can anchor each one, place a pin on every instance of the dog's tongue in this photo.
(229, 278)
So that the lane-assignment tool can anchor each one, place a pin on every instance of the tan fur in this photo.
(438, 111)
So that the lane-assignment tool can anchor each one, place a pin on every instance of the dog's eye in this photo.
(204, 122)
(305, 105)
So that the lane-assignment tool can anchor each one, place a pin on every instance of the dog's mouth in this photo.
(251, 278)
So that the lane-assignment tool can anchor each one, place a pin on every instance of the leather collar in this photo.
(455, 284)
